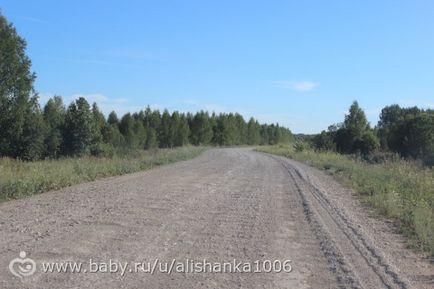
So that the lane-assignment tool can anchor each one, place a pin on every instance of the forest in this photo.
(29, 132)
(406, 132)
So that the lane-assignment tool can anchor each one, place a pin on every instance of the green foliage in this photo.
(54, 118)
(79, 128)
(398, 189)
(110, 133)
(126, 128)
(31, 142)
(324, 141)
(253, 132)
(300, 146)
(408, 131)
(113, 119)
(167, 131)
(98, 124)
(201, 129)
(102, 150)
(180, 128)
(367, 143)
(355, 121)
(151, 139)
(354, 135)
(20, 117)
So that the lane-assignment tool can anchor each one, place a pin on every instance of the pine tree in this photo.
(165, 133)
(265, 140)
(241, 130)
(113, 119)
(182, 132)
(201, 130)
(126, 127)
(253, 134)
(139, 129)
(151, 138)
(151, 121)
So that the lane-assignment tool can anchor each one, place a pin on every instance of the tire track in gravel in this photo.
(225, 204)
(356, 262)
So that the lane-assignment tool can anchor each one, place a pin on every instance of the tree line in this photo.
(82, 129)
(408, 132)
(29, 132)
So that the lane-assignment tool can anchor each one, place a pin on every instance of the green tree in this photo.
(240, 129)
(79, 128)
(151, 138)
(99, 124)
(139, 129)
(111, 133)
(419, 137)
(21, 125)
(182, 130)
(265, 140)
(126, 127)
(31, 142)
(152, 120)
(367, 143)
(165, 135)
(273, 134)
(54, 118)
(225, 130)
(354, 135)
(253, 132)
(113, 119)
(201, 129)
(324, 141)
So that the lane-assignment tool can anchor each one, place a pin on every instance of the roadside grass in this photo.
(400, 190)
(19, 179)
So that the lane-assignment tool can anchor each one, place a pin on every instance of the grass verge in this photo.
(19, 178)
(400, 190)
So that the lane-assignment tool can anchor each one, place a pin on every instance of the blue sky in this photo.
(298, 63)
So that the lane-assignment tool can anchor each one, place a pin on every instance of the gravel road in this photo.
(223, 207)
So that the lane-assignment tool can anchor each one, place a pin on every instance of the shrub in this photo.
(102, 150)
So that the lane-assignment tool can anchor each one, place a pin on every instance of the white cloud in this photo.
(95, 97)
(105, 103)
(44, 97)
(302, 86)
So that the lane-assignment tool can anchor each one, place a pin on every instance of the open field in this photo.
(20, 178)
(225, 204)
(400, 190)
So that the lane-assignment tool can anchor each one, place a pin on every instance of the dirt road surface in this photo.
(223, 205)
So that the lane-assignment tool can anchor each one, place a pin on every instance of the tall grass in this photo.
(19, 178)
(398, 189)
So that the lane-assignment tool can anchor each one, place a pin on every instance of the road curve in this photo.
(225, 206)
